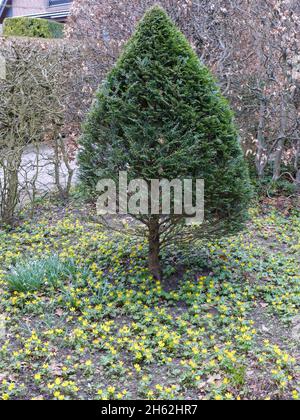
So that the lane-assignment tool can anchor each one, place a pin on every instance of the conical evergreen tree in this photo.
(159, 114)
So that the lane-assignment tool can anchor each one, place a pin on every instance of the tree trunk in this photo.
(154, 249)
(281, 141)
(261, 155)
(297, 181)
(296, 165)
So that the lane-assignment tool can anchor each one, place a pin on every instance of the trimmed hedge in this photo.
(32, 27)
(160, 114)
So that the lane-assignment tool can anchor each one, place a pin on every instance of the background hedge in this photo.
(32, 27)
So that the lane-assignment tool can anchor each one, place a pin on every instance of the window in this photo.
(58, 2)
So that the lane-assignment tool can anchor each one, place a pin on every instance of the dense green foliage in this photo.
(159, 114)
(32, 27)
(37, 274)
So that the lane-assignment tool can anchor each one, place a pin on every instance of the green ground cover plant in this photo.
(222, 325)
(36, 274)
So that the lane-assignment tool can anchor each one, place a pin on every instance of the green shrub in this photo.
(160, 113)
(32, 27)
(36, 274)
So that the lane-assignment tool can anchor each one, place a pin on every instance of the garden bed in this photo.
(224, 328)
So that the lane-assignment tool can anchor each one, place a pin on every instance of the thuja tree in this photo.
(159, 114)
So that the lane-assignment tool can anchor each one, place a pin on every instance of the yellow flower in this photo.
(11, 387)
(137, 368)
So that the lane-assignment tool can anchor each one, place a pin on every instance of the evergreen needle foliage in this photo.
(159, 114)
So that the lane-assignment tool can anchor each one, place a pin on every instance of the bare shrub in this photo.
(34, 104)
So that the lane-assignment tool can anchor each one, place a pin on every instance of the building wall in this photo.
(28, 7)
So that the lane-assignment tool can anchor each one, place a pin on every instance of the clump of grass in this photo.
(37, 274)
